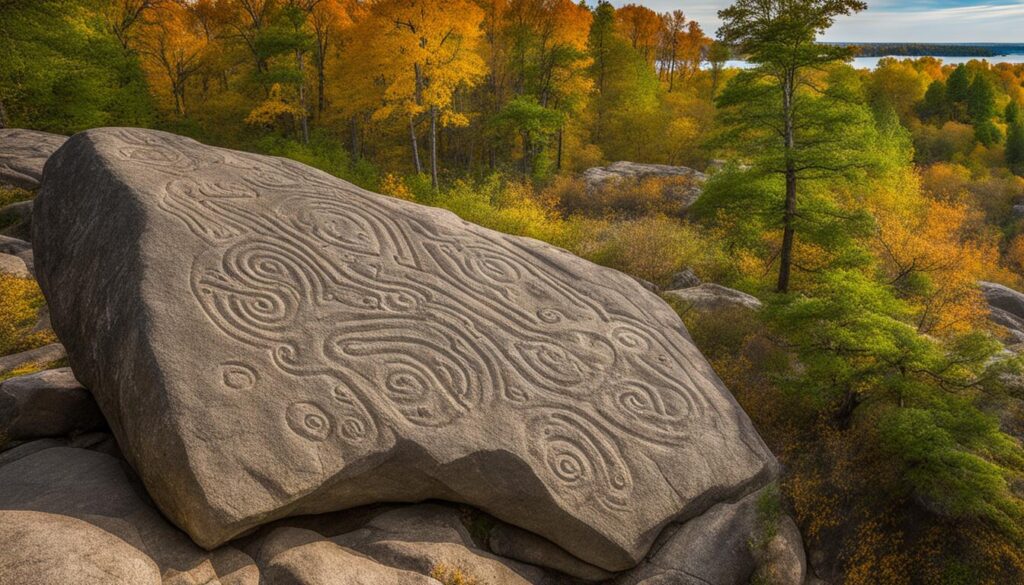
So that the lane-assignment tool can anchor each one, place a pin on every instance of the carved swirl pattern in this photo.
(422, 324)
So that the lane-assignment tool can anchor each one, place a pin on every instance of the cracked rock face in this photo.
(266, 340)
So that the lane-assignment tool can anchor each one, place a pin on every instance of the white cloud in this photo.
(894, 20)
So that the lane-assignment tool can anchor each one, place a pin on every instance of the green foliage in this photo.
(1012, 113)
(981, 99)
(987, 133)
(62, 72)
(935, 106)
(956, 461)
(957, 92)
(1015, 147)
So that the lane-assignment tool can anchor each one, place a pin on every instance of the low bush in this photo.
(20, 301)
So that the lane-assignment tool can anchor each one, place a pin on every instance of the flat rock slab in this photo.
(40, 356)
(13, 246)
(267, 340)
(23, 154)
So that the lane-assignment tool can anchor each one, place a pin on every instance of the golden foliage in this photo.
(452, 576)
(20, 301)
(279, 105)
(395, 186)
(930, 254)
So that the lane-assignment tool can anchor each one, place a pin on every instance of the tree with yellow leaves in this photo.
(417, 54)
(172, 47)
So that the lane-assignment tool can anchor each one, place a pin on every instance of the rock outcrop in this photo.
(266, 340)
(715, 297)
(687, 191)
(23, 154)
(729, 544)
(685, 278)
(1006, 308)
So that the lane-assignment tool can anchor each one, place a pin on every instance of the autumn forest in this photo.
(861, 207)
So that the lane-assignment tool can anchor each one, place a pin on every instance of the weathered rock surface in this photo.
(729, 544)
(687, 191)
(266, 340)
(685, 278)
(23, 154)
(715, 297)
(50, 549)
(293, 556)
(13, 246)
(39, 356)
(50, 403)
(1006, 308)
(14, 266)
(515, 543)
(78, 487)
(427, 537)
(16, 220)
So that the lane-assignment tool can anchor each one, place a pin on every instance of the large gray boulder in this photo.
(266, 340)
(1006, 308)
(687, 191)
(50, 403)
(23, 154)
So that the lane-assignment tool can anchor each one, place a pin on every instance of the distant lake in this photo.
(872, 62)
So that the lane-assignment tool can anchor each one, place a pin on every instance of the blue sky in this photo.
(989, 21)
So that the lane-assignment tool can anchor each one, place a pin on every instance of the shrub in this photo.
(627, 198)
(10, 195)
(656, 247)
(452, 576)
(20, 301)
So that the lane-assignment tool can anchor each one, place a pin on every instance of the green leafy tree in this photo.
(957, 90)
(981, 99)
(935, 105)
(780, 114)
(1015, 147)
(535, 125)
(1012, 113)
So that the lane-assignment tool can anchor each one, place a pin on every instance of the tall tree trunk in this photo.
(321, 102)
(354, 136)
(415, 145)
(558, 159)
(433, 147)
(302, 96)
(789, 212)
(3, 114)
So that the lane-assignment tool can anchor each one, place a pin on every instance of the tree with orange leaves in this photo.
(416, 54)
(643, 27)
(172, 46)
